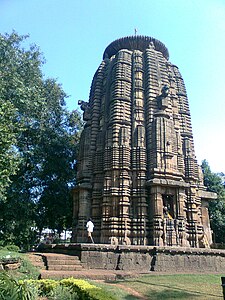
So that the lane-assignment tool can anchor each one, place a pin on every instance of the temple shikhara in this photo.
(138, 177)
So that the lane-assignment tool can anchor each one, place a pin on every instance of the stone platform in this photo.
(142, 258)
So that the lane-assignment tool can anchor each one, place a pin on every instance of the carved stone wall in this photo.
(138, 176)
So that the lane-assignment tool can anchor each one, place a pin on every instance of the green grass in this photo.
(179, 286)
(114, 290)
(6, 253)
(26, 270)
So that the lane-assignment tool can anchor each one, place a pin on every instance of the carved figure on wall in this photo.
(86, 109)
(162, 101)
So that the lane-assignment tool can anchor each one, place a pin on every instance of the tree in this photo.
(9, 159)
(43, 141)
(214, 183)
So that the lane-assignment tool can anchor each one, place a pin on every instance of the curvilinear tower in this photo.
(138, 178)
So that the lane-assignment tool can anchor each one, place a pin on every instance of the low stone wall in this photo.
(143, 258)
(189, 260)
(117, 258)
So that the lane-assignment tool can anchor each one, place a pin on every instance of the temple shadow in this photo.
(174, 292)
(171, 294)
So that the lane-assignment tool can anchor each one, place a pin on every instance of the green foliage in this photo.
(63, 293)
(214, 183)
(5, 252)
(76, 288)
(38, 146)
(11, 289)
(9, 158)
(86, 290)
(13, 248)
(4, 246)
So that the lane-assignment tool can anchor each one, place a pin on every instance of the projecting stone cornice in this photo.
(207, 195)
(167, 182)
(137, 42)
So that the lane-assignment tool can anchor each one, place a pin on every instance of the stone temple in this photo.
(138, 177)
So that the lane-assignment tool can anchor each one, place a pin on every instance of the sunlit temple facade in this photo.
(138, 177)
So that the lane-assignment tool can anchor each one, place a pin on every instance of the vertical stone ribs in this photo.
(138, 177)
(138, 209)
(194, 225)
(116, 193)
(191, 167)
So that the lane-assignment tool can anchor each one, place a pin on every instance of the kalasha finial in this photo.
(135, 31)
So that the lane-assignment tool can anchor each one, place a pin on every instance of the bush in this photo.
(64, 293)
(77, 288)
(65, 289)
(86, 290)
(13, 248)
(46, 286)
(11, 289)
(9, 247)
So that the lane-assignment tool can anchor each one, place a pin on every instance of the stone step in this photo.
(63, 262)
(64, 267)
(35, 257)
(39, 265)
(88, 274)
(59, 257)
(36, 260)
(69, 258)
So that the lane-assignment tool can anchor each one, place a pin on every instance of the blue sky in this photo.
(73, 35)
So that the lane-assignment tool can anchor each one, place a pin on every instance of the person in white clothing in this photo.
(90, 227)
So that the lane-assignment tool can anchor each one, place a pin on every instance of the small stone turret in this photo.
(138, 177)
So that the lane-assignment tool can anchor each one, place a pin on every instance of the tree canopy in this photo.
(9, 159)
(214, 183)
(38, 145)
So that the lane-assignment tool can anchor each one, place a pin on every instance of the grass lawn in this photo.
(26, 270)
(114, 288)
(160, 287)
